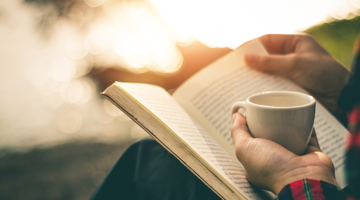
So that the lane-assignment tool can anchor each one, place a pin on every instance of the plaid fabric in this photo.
(310, 189)
(348, 113)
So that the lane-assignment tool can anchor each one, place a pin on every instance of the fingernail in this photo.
(251, 58)
(234, 117)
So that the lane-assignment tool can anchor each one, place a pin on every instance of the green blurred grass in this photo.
(338, 37)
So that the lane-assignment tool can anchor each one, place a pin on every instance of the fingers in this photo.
(285, 44)
(239, 131)
(281, 43)
(278, 64)
(313, 144)
(313, 140)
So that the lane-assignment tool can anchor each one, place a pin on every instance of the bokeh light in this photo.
(73, 93)
(37, 73)
(53, 101)
(100, 114)
(123, 117)
(137, 132)
(96, 42)
(83, 66)
(61, 69)
(111, 109)
(69, 121)
(75, 48)
(88, 90)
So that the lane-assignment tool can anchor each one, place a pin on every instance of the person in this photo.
(303, 60)
(148, 171)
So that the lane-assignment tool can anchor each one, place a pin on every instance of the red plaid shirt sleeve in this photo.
(310, 189)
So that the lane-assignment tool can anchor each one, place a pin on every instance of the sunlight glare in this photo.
(355, 3)
(168, 63)
(342, 10)
(134, 9)
(230, 23)
(138, 60)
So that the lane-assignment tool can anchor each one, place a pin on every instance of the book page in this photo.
(209, 95)
(161, 104)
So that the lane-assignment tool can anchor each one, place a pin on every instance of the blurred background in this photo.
(58, 136)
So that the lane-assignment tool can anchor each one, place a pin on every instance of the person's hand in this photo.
(306, 62)
(270, 166)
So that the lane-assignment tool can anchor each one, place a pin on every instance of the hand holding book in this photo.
(303, 60)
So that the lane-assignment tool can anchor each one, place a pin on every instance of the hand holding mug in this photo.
(270, 166)
(284, 117)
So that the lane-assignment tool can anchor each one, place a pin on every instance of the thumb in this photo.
(239, 131)
(277, 64)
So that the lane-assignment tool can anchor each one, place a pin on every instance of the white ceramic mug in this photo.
(284, 117)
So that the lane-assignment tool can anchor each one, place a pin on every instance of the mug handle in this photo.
(236, 106)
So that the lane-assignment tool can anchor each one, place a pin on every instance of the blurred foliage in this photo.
(338, 37)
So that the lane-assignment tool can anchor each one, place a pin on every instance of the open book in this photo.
(194, 124)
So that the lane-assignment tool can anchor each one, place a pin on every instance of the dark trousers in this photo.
(147, 171)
